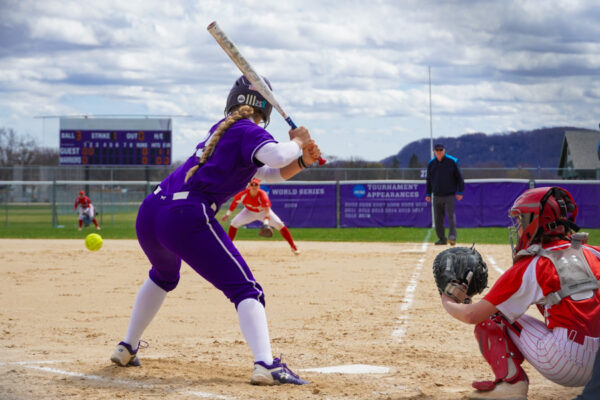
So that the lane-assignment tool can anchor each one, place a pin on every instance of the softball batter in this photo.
(257, 207)
(555, 270)
(86, 209)
(177, 222)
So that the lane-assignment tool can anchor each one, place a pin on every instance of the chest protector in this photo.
(572, 268)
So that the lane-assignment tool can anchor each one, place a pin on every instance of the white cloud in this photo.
(355, 70)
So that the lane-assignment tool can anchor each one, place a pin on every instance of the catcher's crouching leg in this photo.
(505, 359)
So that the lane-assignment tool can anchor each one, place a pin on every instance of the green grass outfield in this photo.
(35, 222)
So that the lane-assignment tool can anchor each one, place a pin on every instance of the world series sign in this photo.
(115, 141)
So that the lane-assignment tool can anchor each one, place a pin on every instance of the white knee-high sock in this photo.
(253, 323)
(147, 303)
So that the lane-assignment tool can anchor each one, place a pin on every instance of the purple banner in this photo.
(487, 203)
(384, 204)
(303, 205)
(402, 203)
(587, 198)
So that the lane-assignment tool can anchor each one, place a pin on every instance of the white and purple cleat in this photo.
(275, 374)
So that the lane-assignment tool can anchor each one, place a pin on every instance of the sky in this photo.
(355, 73)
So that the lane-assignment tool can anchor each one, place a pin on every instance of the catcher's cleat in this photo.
(125, 356)
(503, 391)
(515, 388)
(275, 374)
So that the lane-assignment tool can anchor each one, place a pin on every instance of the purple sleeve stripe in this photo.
(260, 145)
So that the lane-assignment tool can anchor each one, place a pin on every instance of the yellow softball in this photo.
(93, 241)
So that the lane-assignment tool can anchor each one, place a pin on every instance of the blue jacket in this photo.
(444, 177)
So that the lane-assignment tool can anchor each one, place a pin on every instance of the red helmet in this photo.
(82, 193)
(548, 211)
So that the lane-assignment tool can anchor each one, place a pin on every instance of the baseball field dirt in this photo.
(369, 311)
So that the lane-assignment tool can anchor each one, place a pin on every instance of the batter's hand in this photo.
(301, 136)
(311, 153)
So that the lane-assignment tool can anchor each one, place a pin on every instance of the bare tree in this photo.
(19, 150)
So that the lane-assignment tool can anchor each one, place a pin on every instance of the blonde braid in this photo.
(241, 112)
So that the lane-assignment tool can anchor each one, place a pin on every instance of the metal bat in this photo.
(244, 66)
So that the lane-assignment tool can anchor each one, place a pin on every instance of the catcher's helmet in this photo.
(243, 92)
(544, 211)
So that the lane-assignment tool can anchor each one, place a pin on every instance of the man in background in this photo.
(445, 182)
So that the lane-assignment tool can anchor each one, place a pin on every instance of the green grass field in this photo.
(35, 222)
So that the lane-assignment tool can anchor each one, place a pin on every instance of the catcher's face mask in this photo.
(547, 211)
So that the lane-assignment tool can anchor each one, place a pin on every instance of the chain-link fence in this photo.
(119, 190)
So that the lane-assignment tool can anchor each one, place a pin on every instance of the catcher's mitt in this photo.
(460, 273)
(265, 231)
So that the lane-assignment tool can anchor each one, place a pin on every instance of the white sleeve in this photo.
(277, 155)
(269, 175)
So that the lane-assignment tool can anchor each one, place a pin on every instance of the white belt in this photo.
(181, 196)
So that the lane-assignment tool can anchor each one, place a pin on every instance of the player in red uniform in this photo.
(557, 271)
(257, 207)
(86, 210)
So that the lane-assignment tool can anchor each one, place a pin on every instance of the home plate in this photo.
(350, 369)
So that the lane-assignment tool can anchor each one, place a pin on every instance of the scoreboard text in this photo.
(115, 147)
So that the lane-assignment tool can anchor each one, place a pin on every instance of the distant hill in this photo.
(527, 149)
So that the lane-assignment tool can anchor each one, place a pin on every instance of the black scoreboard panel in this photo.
(115, 146)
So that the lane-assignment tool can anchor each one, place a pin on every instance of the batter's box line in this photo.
(109, 381)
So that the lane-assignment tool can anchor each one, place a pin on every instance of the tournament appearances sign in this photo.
(385, 203)
(115, 141)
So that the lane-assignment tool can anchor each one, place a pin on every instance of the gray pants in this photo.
(441, 206)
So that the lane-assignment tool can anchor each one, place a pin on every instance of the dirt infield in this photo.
(63, 309)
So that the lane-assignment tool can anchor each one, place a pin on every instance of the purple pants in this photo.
(173, 230)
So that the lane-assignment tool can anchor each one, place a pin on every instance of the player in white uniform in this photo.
(555, 270)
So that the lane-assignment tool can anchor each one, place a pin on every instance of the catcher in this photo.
(554, 269)
(257, 207)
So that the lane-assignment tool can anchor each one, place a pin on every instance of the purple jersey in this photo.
(230, 167)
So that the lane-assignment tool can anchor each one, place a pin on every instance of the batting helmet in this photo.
(243, 92)
(544, 211)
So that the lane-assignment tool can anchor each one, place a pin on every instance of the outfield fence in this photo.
(325, 204)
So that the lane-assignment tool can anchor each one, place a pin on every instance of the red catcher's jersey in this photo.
(83, 201)
(254, 204)
(531, 278)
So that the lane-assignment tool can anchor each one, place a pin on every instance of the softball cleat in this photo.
(295, 251)
(125, 356)
(275, 374)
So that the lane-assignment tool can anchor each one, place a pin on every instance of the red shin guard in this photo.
(498, 350)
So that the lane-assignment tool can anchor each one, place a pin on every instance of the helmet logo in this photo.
(241, 98)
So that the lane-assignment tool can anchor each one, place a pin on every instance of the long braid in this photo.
(241, 112)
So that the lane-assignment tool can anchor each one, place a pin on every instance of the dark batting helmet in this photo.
(243, 92)
(544, 211)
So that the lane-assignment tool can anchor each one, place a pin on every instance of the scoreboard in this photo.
(115, 141)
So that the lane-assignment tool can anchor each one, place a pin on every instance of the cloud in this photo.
(357, 70)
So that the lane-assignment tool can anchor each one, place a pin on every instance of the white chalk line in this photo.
(350, 369)
(120, 382)
(409, 294)
(494, 265)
